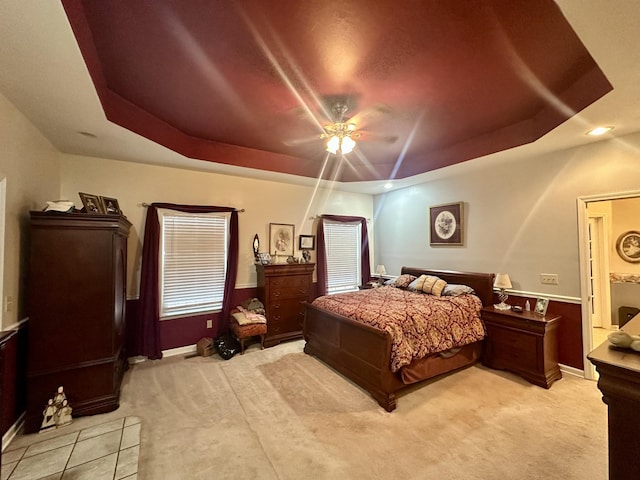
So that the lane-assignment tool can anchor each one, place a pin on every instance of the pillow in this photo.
(455, 290)
(428, 284)
(403, 280)
(413, 286)
(243, 319)
(433, 285)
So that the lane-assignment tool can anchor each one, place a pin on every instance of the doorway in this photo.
(595, 227)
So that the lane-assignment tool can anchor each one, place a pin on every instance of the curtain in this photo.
(321, 255)
(148, 341)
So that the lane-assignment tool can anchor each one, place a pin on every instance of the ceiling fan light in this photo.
(333, 144)
(347, 145)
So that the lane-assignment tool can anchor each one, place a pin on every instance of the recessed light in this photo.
(388, 185)
(599, 131)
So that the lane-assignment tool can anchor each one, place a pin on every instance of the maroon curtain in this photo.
(321, 254)
(148, 341)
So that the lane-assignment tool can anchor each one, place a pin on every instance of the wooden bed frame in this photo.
(363, 353)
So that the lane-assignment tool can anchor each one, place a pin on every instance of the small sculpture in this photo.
(306, 256)
(57, 412)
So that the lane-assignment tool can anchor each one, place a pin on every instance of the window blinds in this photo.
(193, 262)
(342, 244)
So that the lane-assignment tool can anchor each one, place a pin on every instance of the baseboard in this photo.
(173, 352)
(571, 371)
(13, 431)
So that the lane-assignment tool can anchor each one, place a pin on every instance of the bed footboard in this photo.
(359, 352)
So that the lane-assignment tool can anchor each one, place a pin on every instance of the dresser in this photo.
(284, 289)
(77, 282)
(524, 343)
(619, 382)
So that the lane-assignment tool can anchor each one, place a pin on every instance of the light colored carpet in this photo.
(281, 414)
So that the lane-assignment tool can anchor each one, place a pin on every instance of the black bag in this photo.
(227, 346)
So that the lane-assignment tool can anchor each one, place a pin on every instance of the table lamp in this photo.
(502, 281)
(380, 270)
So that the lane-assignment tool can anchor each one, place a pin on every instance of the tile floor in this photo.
(107, 451)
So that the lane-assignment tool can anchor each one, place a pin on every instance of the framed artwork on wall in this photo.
(445, 224)
(92, 203)
(628, 246)
(281, 236)
(307, 242)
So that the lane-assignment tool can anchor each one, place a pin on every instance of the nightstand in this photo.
(523, 343)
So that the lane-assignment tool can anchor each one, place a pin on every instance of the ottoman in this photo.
(242, 332)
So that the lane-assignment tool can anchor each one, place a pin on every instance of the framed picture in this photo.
(541, 306)
(264, 258)
(92, 203)
(445, 224)
(281, 238)
(307, 242)
(628, 246)
(110, 206)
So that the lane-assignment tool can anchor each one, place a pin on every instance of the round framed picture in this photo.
(628, 246)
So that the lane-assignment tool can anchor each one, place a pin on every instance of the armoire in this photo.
(77, 297)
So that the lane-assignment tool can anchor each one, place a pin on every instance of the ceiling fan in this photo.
(342, 133)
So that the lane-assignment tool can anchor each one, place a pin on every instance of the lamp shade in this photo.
(380, 270)
(502, 281)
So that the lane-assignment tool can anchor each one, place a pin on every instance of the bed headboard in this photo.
(482, 283)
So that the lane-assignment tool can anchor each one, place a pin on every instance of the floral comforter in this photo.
(419, 324)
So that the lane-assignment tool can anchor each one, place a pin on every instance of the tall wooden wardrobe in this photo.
(77, 295)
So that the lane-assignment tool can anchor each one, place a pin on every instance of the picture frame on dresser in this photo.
(91, 203)
(281, 238)
(541, 306)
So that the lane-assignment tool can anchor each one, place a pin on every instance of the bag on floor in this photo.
(227, 346)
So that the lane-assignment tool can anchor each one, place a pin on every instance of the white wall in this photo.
(265, 202)
(520, 216)
(30, 167)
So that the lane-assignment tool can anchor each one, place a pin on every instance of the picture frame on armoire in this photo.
(91, 203)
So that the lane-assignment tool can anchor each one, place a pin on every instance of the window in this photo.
(343, 253)
(193, 261)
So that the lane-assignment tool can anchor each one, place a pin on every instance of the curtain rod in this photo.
(318, 216)
(145, 204)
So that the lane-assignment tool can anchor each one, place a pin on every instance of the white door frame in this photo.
(583, 251)
(602, 262)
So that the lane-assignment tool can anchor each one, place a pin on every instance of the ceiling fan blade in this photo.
(377, 137)
(362, 117)
(295, 142)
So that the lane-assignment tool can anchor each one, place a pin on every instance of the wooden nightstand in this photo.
(523, 343)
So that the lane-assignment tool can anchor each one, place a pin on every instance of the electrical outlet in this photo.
(549, 278)
(209, 323)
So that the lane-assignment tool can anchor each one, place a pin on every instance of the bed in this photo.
(366, 354)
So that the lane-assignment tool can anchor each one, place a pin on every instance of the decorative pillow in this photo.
(430, 284)
(455, 290)
(403, 280)
(416, 285)
(243, 319)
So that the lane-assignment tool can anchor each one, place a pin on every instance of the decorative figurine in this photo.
(57, 412)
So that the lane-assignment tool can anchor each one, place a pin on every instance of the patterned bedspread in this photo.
(419, 324)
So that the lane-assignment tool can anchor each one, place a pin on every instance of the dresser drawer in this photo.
(511, 348)
(290, 287)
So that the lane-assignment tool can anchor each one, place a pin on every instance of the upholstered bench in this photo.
(246, 330)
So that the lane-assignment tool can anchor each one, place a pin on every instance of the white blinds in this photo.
(343, 246)
(193, 259)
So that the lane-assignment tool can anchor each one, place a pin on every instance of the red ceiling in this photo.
(246, 83)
